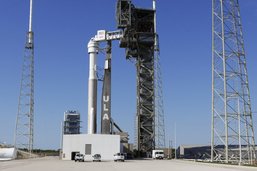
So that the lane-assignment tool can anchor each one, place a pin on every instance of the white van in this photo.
(7, 154)
(158, 154)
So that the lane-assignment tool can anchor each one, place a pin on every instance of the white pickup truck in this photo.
(79, 157)
(119, 157)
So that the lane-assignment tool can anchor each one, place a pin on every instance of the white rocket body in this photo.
(93, 48)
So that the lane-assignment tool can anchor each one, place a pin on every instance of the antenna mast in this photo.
(30, 15)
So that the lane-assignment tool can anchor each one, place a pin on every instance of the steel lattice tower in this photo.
(139, 42)
(232, 125)
(24, 132)
(159, 111)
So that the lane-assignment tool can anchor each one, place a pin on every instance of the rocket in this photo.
(93, 48)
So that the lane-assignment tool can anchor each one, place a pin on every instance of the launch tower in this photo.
(139, 42)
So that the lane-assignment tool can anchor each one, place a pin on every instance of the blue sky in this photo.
(63, 28)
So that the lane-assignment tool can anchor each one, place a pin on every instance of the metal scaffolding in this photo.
(232, 125)
(159, 110)
(139, 41)
(158, 102)
(24, 132)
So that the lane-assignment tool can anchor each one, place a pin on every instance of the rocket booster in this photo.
(106, 94)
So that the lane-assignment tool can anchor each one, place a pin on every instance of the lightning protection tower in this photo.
(25, 118)
(159, 110)
(232, 125)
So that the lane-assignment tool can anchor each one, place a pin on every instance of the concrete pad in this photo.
(54, 164)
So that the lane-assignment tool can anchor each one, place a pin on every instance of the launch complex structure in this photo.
(232, 129)
(137, 34)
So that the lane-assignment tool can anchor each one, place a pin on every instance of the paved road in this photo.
(53, 164)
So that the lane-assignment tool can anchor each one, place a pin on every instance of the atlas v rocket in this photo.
(93, 48)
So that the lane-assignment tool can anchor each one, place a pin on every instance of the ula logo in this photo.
(106, 100)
